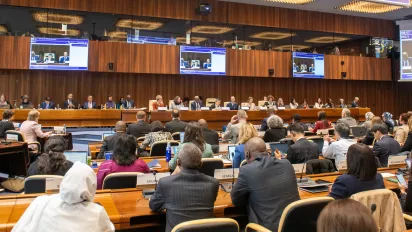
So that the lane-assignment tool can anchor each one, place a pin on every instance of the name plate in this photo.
(205, 108)
(342, 165)
(225, 108)
(183, 108)
(298, 168)
(281, 108)
(245, 108)
(149, 179)
(227, 173)
(12, 137)
(322, 132)
(396, 159)
(162, 108)
(53, 184)
(263, 108)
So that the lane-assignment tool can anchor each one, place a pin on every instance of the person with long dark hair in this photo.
(52, 161)
(318, 104)
(322, 122)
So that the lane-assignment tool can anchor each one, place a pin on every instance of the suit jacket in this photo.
(131, 104)
(342, 106)
(348, 121)
(274, 135)
(139, 129)
(302, 150)
(108, 144)
(408, 143)
(232, 132)
(5, 126)
(267, 186)
(31, 130)
(354, 104)
(189, 195)
(66, 104)
(384, 148)
(175, 126)
(86, 105)
(43, 105)
(62, 59)
(264, 126)
(193, 105)
(211, 137)
(347, 185)
(233, 106)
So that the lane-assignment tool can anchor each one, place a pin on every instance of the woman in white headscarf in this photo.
(72, 209)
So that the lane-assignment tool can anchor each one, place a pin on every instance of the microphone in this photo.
(233, 171)
(154, 174)
(373, 208)
(301, 174)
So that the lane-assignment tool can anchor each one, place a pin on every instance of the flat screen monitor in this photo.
(75, 156)
(406, 55)
(231, 150)
(308, 65)
(59, 54)
(202, 60)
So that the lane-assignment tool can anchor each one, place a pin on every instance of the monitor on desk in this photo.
(231, 152)
(75, 156)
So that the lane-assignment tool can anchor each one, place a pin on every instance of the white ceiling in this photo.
(329, 7)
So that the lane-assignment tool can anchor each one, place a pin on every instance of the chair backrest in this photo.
(159, 148)
(261, 103)
(11, 134)
(140, 139)
(190, 104)
(151, 104)
(305, 212)
(209, 165)
(176, 136)
(170, 104)
(37, 183)
(121, 180)
(210, 101)
(244, 162)
(225, 104)
(317, 166)
(206, 225)
(244, 104)
(318, 140)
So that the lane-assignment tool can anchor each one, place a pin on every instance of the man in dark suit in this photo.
(211, 137)
(296, 119)
(141, 127)
(64, 58)
(129, 103)
(232, 104)
(109, 141)
(187, 194)
(346, 118)
(47, 104)
(267, 185)
(355, 103)
(270, 112)
(303, 149)
(197, 104)
(175, 125)
(90, 104)
(6, 124)
(385, 145)
(70, 103)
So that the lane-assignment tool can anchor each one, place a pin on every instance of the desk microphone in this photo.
(233, 171)
(154, 174)
(301, 174)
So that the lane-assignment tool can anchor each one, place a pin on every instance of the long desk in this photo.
(127, 208)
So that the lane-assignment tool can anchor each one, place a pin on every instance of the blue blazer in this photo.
(206, 65)
(86, 105)
(43, 105)
(62, 60)
(193, 105)
(234, 106)
(347, 185)
(239, 155)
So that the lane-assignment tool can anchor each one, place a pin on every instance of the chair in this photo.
(176, 136)
(255, 227)
(37, 183)
(210, 101)
(206, 225)
(209, 165)
(159, 148)
(244, 162)
(190, 104)
(305, 212)
(317, 166)
(21, 138)
(140, 139)
(170, 104)
(121, 180)
(318, 140)
(151, 104)
(261, 103)
(225, 104)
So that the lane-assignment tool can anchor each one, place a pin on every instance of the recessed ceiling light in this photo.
(272, 35)
(327, 39)
(297, 2)
(368, 7)
(195, 40)
(47, 17)
(293, 47)
(58, 31)
(215, 30)
(241, 43)
(138, 24)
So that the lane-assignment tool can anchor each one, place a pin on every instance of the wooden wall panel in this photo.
(225, 12)
(16, 52)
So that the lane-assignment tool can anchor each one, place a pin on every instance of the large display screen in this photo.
(406, 55)
(202, 60)
(59, 54)
(308, 65)
(405, 3)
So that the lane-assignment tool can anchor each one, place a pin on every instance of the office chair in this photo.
(159, 148)
(176, 136)
(210, 101)
(120, 180)
(140, 139)
(261, 103)
(317, 166)
(209, 165)
(21, 138)
(37, 183)
(206, 225)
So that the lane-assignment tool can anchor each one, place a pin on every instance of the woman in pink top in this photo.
(31, 129)
(124, 159)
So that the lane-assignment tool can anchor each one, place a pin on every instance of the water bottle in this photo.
(58, 107)
(39, 107)
(168, 152)
(64, 129)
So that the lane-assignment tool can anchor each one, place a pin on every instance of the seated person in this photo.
(304, 105)
(232, 130)
(302, 150)
(280, 103)
(6, 124)
(157, 134)
(246, 132)
(188, 194)
(346, 118)
(296, 119)
(355, 103)
(89, 104)
(385, 145)
(210, 136)
(31, 129)
(250, 104)
(141, 127)
(233, 105)
(25, 103)
(329, 103)
(47, 104)
(387, 119)
(124, 159)
(193, 135)
(271, 102)
(65, 58)
(406, 194)
(318, 104)
(369, 137)
(368, 120)
(52, 161)
(322, 122)
(361, 176)
(402, 131)
(70, 210)
(276, 131)
(4, 103)
(207, 65)
(197, 104)
(175, 125)
(110, 141)
(293, 104)
(342, 104)
(158, 103)
(70, 103)
(408, 143)
(337, 149)
(110, 104)
(216, 105)
(177, 103)
(270, 111)
(49, 59)
(121, 104)
(129, 102)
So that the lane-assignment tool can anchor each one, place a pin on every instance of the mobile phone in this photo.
(401, 179)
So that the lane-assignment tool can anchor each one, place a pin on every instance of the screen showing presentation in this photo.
(202, 60)
(59, 54)
(308, 65)
(406, 53)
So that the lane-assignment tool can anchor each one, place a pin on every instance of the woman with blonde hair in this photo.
(31, 129)
(368, 120)
(246, 132)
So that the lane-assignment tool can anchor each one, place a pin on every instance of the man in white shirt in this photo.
(337, 149)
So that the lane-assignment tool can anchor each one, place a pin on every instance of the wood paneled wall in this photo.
(225, 12)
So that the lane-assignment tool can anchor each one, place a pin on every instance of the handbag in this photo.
(15, 185)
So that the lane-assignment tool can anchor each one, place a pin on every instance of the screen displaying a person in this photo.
(65, 58)
(49, 59)
(33, 57)
(207, 64)
(312, 68)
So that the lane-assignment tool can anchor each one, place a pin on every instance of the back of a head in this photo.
(346, 112)
(255, 145)
(124, 152)
(176, 114)
(335, 217)
(404, 117)
(271, 110)
(275, 122)
(381, 127)
(376, 119)
(343, 130)
(53, 158)
(297, 128)
(79, 184)
(321, 115)
(157, 126)
(202, 123)
(369, 116)
(241, 114)
(140, 115)
(410, 123)
(361, 162)
(33, 115)
(120, 126)
(194, 134)
(7, 114)
(55, 144)
(246, 132)
(190, 156)
(296, 118)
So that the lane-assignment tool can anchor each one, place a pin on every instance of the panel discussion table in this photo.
(216, 119)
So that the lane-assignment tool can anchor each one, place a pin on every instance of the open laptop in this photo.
(75, 156)
(231, 152)
(182, 137)
(358, 131)
(106, 135)
(282, 147)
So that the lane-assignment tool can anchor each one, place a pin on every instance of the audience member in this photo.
(89, 104)
(271, 102)
(72, 209)
(408, 143)
(233, 105)
(402, 131)
(296, 119)
(157, 134)
(322, 122)
(141, 127)
(293, 104)
(110, 141)
(124, 159)
(276, 131)
(187, 195)
(387, 119)
(232, 129)
(335, 217)
(176, 104)
(193, 135)
(246, 132)
(52, 161)
(385, 145)
(265, 185)
(197, 104)
(318, 104)
(110, 104)
(6, 124)
(270, 112)
(342, 103)
(210, 136)
(368, 120)
(355, 103)
(70, 103)
(47, 104)
(4, 103)
(329, 103)
(158, 103)
(406, 194)
(361, 175)
(175, 125)
(337, 149)
(370, 138)
(347, 119)
(302, 150)
(31, 129)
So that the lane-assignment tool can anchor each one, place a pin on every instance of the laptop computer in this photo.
(282, 147)
(75, 156)
(358, 131)
(106, 135)
(231, 152)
